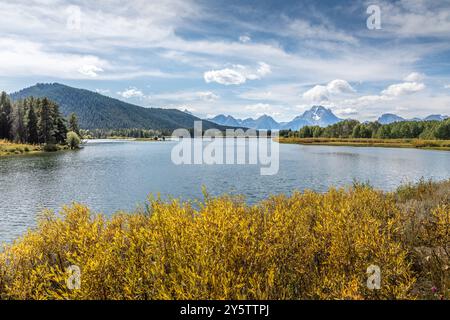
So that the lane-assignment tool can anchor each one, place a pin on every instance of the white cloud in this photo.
(90, 70)
(245, 39)
(237, 74)
(447, 86)
(305, 30)
(225, 76)
(263, 69)
(391, 93)
(321, 93)
(27, 58)
(412, 18)
(339, 86)
(317, 94)
(401, 89)
(414, 77)
(131, 93)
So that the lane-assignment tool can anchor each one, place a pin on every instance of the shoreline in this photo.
(441, 145)
(11, 149)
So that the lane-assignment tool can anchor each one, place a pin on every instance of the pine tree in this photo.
(46, 125)
(73, 124)
(19, 130)
(6, 117)
(59, 123)
(32, 126)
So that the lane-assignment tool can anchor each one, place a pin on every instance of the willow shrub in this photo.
(306, 246)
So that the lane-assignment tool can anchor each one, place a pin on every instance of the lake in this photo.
(114, 175)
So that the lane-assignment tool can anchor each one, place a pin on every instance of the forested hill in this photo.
(96, 111)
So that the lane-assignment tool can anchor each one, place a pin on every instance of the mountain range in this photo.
(316, 116)
(96, 111)
(391, 118)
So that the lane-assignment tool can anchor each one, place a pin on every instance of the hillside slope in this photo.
(96, 111)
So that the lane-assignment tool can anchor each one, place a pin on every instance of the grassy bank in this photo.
(9, 148)
(306, 246)
(386, 143)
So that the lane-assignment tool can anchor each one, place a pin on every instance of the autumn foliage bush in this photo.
(305, 246)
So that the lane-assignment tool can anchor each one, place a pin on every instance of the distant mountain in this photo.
(225, 121)
(96, 111)
(435, 117)
(264, 122)
(316, 116)
(390, 118)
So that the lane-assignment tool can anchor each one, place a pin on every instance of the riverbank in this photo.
(8, 148)
(226, 249)
(385, 143)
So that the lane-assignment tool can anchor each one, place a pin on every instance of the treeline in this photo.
(123, 133)
(34, 121)
(429, 130)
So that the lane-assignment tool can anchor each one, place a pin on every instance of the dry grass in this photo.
(9, 148)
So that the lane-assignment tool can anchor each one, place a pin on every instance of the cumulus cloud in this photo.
(225, 76)
(339, 86)
(391, 93)
(414, 77)
(317, 94)
(401, 89)
(322, 93)
(447, 86)
(131, 93)
(237, 74)
(90, 70)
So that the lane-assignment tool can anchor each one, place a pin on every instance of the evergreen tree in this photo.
(6, 117)
(73, 124)
(46, 124)
(59, 123)
(32, 126)
(19, 130)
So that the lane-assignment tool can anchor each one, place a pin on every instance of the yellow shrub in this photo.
(307, 246)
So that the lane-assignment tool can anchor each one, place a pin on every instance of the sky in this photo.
(242, 58)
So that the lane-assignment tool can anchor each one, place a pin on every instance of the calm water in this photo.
(109, 176)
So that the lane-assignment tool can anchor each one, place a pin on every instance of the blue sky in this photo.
(244, 58)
